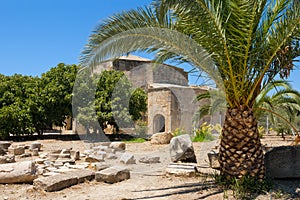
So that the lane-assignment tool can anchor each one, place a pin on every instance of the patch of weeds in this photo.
(179, 131)
(246, 188)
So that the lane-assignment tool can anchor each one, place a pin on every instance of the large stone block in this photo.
(20, 172)
(19, 150)
(283, 162)
(112, 175)
(61, 181)
(35, 145)
(182, 169)
(181, 149)
(7, 159)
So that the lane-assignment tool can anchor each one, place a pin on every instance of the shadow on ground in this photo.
(209, 186)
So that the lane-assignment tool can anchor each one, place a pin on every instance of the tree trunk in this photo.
(240, 149)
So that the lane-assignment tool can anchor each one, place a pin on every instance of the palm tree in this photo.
(241, 44)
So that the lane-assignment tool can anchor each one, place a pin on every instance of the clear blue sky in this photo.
(38, 34)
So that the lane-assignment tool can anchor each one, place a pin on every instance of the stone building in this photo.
(171, 101)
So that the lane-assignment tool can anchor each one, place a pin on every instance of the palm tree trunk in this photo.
(240, 149)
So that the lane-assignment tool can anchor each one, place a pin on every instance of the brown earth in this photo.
(148, 181)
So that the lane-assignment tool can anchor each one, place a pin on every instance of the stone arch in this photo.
(159, 123)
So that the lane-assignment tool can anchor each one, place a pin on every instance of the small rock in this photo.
(35, 152)
(111, 156)
(127, 158)
(35, 145)
(118, 146)
(148, 160)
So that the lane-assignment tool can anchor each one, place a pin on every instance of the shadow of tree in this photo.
(290, 187)
(183, 189)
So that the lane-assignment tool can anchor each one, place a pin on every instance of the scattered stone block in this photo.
(283, 162)
(75, 154)
(19, 172)
(53, 156)
(64, 155)
(111, 156)
(19, 150)
(43, 156)
(4, 145)
(35, 145)
(48, 163)
(58, 164)
(182, 169)
(94, 158)
(7, 159)
(61, 181)
(149, 160)
(161, 138)
(57, 151)
(118, 146)
(35, 152)
(25, 155)
(181, 149)
(66, 160)
(112, 175)
(2, 152)
(79, 166)
(127, 158)
(65, 151)
(88, 152)
(213, 158)
(100, 153)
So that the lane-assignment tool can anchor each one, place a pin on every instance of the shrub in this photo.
(179, 131)
(204, 133)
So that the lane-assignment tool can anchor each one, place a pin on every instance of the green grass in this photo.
(135, 140)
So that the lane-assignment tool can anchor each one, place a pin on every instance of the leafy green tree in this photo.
(242, 45)
(16, 107)
(56, 93)
(115, 102)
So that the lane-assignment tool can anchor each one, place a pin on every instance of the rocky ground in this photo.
(148, 181)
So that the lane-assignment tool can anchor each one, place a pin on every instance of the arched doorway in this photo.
(159, 123)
